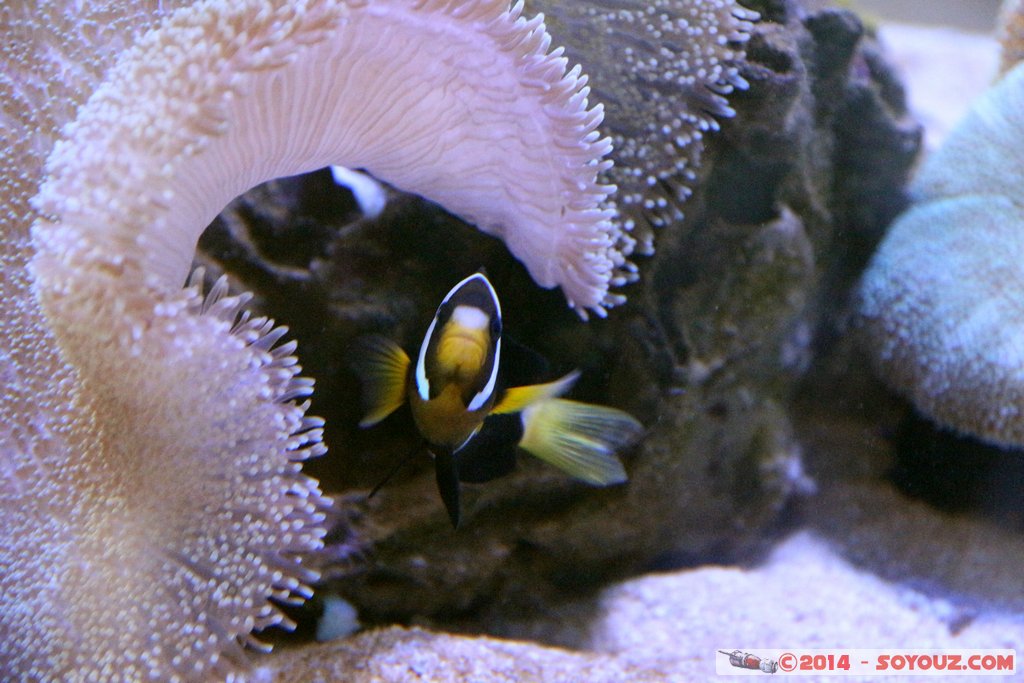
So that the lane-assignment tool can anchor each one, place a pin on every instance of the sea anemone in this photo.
(151, 439)
(663, 70)
(512, 128)
(940, 303)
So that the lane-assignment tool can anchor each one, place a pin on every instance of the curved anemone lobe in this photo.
(940, 302)
(226, 95)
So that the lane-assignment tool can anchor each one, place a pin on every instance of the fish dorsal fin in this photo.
(579, 438)
(518, 398)
(383, 369)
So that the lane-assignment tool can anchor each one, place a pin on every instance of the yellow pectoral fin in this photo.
(580, 438)
(517, 399)
(383, 368)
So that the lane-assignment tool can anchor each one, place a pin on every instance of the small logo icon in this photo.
(745, 660)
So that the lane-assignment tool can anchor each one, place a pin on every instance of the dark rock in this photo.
(730, 312)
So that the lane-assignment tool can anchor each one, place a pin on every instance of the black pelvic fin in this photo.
(394, 470)
(447, 473)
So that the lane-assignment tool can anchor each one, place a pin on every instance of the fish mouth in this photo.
(469, 338)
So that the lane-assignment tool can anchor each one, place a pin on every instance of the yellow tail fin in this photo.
(518, 398)
(579, 438)
(383, 368)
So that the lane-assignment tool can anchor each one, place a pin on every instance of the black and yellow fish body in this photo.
(455, 378)
(454, 383)
(470, 422)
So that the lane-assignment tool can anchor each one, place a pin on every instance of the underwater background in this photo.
(799, 484)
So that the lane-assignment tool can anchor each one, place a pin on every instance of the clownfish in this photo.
(471, 422)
